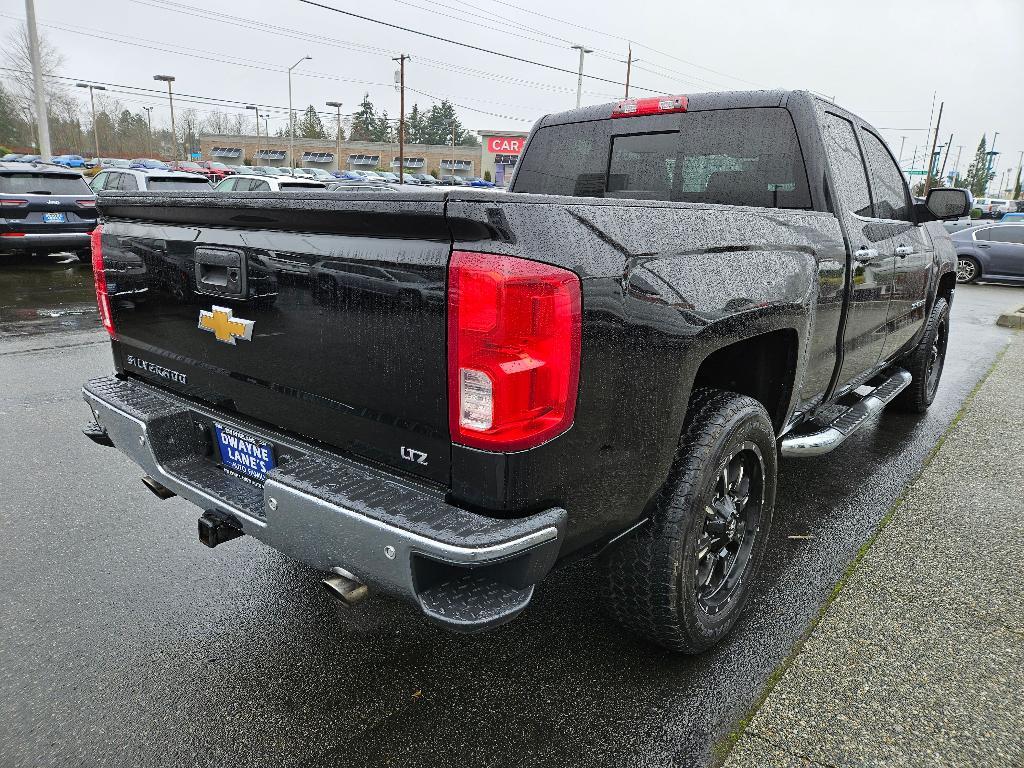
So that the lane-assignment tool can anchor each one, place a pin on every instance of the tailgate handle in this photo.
(219, 271)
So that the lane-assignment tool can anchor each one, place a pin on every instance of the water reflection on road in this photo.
(40, 294)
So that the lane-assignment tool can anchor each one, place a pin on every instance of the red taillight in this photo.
(655, 105)
(513, 350)
(100, 279)
(86, 203)
(11, 203)
(12, 234)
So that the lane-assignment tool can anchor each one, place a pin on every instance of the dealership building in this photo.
(496, 155)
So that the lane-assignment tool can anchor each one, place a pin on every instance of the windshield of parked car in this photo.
(167, 183)
(731, 156)
(43, 184)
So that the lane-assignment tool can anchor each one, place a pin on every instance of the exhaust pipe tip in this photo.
(346, 588)
(160, 491)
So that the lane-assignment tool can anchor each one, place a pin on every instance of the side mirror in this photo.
(944, 203)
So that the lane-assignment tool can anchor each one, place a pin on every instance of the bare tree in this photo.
(216, 122)
(18, 59)
(238, 121)
(189, 127)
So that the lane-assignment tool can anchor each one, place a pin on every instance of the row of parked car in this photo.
(51, 207)
(215, 171)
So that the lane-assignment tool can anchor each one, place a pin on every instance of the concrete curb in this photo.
(1012, 319)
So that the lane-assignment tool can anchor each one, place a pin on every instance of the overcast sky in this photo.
(869, 54)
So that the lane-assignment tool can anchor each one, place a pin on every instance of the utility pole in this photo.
(949, 146)
(935, 140)
(903, 140)
(337, 105)
(401, 117)
(256, 107)
(1020, 161)
(956, 167)
(579, 81)
(629, 68)
(291, 119)
(170, 97)
(149, 121)
(42, 119)
(92, 103)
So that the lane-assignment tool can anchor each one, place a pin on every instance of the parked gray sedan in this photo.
(990, 252)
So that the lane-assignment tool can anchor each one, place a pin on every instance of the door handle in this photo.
(864, 255)
(982, 245)
(903, 251)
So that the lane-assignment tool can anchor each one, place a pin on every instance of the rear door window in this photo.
(43, 184)
(892, 201)
(847, 164)
(730, 156)
(128, 183)
(1008, 234)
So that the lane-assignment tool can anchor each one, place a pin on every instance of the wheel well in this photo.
(947, 283)
(760, 367)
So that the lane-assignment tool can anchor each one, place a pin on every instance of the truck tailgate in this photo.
(321, 315)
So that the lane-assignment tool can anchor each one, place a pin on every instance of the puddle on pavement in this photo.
(43, 294)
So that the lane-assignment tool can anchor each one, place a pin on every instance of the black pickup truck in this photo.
(443, 395)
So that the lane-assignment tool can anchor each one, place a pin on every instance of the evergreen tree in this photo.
(310, 126)
(384, 131)
(442, 121)
(978, 174)
(364, 121)
(416, 127)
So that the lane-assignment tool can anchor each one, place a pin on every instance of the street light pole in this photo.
(903, 140)
(42, 118)
(170, 97)
(337, 105)
(291, 121)
(149, 121)
(579, 81)
(92, 104)
(256, 107)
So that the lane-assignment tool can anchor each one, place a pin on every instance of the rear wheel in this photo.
(926, 362)
(967, 269)
(683, 580)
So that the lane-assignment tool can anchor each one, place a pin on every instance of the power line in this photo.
(235, 21)
(508, 3)
(465, 45)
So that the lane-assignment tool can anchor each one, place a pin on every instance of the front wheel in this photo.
(925, 362)
(967, 269)
(683, 579)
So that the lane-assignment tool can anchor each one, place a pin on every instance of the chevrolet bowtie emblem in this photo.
(223, 326)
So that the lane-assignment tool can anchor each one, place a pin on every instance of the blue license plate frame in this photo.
(243, 455)
(55, 218)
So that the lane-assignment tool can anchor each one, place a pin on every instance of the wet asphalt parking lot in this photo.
(123, 641)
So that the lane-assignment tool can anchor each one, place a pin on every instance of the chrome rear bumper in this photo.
(464, 570)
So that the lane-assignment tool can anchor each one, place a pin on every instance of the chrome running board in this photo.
(829, 438)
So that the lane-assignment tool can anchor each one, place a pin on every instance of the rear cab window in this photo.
(22, 183)
(748, 156)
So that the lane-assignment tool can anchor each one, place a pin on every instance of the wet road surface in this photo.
(123, 641)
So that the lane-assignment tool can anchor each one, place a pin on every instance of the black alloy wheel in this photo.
(732, 523)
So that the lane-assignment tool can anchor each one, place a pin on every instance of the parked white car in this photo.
(252, 183)
(146, 180)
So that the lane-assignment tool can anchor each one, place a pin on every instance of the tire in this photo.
(968, 269)
(652, 580)
(925, 362)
